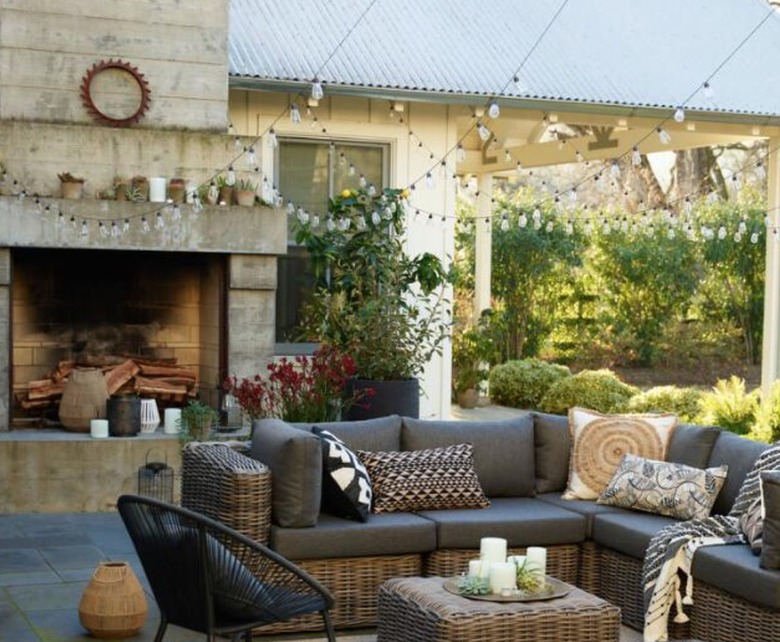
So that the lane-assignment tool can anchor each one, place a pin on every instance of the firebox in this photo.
(81, 306)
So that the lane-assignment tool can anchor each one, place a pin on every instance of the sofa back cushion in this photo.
(739, 454)
(382, 433)
(552, 446)
(294, 456)
(692, 445)
(503, 450)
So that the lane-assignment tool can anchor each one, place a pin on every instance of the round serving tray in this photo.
(553, 588)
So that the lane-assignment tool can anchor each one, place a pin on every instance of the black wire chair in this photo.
(209, 578)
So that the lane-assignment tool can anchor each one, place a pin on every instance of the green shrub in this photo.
(767, 426)
(729, 406)
(523, 383)
(683, 402)
(599, 390)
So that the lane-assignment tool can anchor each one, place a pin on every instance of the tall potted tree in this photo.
(373, 300)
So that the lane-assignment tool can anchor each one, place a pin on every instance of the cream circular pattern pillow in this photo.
(600, 442)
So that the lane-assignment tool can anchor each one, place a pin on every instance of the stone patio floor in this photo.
(47, 559)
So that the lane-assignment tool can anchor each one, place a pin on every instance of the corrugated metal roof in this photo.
(649, 53)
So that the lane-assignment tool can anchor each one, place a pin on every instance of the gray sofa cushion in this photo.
(503, 450)
(585, 507)
(295, 459)
(628, 532)
(770, 544)
(522, 521)
(382, 433)
(386, 534)
(552, 447)
(739, 454)
(734, 569)
(692, 445)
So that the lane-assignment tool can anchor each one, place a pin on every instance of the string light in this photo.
(679, 115)
(484, 132)
(494, 111)
(709, 94)
(316, 90)
(663, 135)
(636, 157)
(295, 114)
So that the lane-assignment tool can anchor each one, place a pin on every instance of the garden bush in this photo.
(523, 383)
(683, 402)
(599, 390)
(767, 426)
(729, 406)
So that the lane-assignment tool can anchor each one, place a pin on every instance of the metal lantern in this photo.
(155, 479)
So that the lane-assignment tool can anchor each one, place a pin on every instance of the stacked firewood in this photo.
(160, 379)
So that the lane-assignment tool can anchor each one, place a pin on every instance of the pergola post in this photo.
(483, 248)
(770, 353)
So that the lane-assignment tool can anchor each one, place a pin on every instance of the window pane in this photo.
(365, 160)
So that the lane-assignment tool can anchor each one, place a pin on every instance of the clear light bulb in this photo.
(159, 222)
(126, 225)
(376, 218)
(573, 195)
(145, 226)
(251, 155)
(767, 221)
(709, 94)
(588, 228)
(316, 90)
(102, 230)
(663, 136)
(176, 215)
(429, 181)
(371, 190)
(507, 156)
(537, 225)
(84, 228)
(523, 220)
(330, 225)
(537, 214)
(579, 157)
(362, 181)
(742, 227)
(636, 157)
(737, 237)
(569, 227)
(722, 232)
(519, 84)
(494, 111)
(760, 171)
(115, 231)
(484, 132)
(549, 226)
(518, 167)
(754, 238)
(295, 114)
(315, 220)
(230, 178)
(460, 153)
(361, 221)
(679, 115)
(197, 204)
(736, 183)
(614, 169)
(273, 141)
(504, 224)
(712, 197)
(237, 143)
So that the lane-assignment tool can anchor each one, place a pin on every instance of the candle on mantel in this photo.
(492, 549)
(98, 428)
(157, 189)
(172, 421)
(536, 557)
(502, 576)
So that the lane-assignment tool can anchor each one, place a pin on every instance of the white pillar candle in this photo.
(172, 421)
(492, 549)
(478, 569)
(98, 428)
(157, 189)
(502, 576)
(537, 560)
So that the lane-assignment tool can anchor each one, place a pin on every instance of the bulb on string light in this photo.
(273, 141)
(251, 156)
(429, 181)
(351, 171)
(519, 84)
(387, 213)
(537, 214)
(361, 221)
(484, 132)
(624, 225)
(159, 223)
(767, 221)
(709, 94)
(774, 236)
(569, 227)
(736, 183)
(687, 206)
(303, 216)
(549, 226)
(670, 233)
(371, 190)
(316, 89)
(636, 157)
(573, 195)
(754, 238)
(712, 197)
(737, 236)
(176, 214)
(237, 142)
(376, 218)
(197, 204)
(588, 228)
(518, 167)
(115, 231)
(230, 177)
(722, 232)
(84, 228)
(537, 225)
(126, 225)
(760, 171)
(742, 227)
(663, 135)
(679, 115)
(504, 223)
(579, 157)
(102, 230)
(507, 156)
(523, 220)
(345, 223)
(295, 114)
(460, 153)
(614, 169)
(494, 111)
(290, 208)
(362, 181)
(330, 225)
(315, 220)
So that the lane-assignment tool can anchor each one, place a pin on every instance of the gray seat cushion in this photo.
(734, 569)
(628, 532)
(552, 445)
(385, 534)
(739, 454)
(295, 459)
(692, 445)
(585, 507)
(382, 433)
(522, 521)
(503, 450)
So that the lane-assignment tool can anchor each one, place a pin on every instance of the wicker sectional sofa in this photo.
(522, 465)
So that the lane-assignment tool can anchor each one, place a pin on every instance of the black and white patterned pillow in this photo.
(346, 487)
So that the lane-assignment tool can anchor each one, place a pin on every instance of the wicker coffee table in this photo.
(419, 608)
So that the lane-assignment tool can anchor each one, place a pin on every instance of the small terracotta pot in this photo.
(72, 190)
(226, 195)
(245, 197)
(176, 190)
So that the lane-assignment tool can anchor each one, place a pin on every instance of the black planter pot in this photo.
(124, 416)
(400, 397)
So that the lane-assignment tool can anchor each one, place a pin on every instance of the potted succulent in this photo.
(71, 186)
(372, 299)
(246, 192)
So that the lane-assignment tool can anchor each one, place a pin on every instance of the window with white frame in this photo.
(308, 174)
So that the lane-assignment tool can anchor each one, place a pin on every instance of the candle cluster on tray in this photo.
(501, 571)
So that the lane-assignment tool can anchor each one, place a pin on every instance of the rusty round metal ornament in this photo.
(94, 110)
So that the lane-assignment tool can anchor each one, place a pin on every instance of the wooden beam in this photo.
(770, 351)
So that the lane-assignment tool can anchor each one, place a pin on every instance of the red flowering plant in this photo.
(305, 389)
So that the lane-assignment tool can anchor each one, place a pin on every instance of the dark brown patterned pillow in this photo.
(434, 478)
(751, 523)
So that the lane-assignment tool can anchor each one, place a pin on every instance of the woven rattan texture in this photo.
(420, 610)
(354, 582)
(562, 561)
(721, 617)
(224, 484)
(590, 565)
(620, 582)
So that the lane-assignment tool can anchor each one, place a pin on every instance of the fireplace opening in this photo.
(94, 307)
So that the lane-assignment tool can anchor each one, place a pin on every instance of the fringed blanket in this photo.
(666, 574)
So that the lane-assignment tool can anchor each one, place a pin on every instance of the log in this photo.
(151, 370)
(146, 386)
(45, 389)
(120, 375)
(64, 368)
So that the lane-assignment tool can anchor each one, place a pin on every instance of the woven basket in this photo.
(113, 604)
